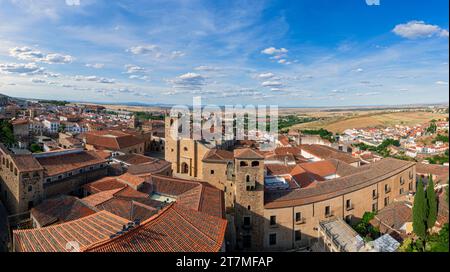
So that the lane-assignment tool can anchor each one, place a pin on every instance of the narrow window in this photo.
(327, 211)
(298, 217)
(246, 220)
(348, 204)
(273, 220)
(272, 239)
(374, 207)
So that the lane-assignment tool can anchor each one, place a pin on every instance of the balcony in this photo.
(387, 190)
(375, 196)
(300, 221)
(349, 207)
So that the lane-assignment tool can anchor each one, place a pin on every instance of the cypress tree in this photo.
(431, 204)
(419, 212)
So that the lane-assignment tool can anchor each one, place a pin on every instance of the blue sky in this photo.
(291, 53)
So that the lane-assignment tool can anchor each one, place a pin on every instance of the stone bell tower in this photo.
(249, 200)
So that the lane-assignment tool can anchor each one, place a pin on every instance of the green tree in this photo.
(431, 204)
(6, 133)
(420, 213)
(35, 148)
(433, 127)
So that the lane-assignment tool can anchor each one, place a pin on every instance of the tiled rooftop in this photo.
(84, 232)
(326, 152)
(55, 165)
(174, 229)
(60, 209)
(361, 177)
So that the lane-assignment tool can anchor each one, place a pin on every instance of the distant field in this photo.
(339, 124)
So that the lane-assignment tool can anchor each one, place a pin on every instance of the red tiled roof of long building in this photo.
(174, 229)
(111, 139)
(58, 238)
(58, 164)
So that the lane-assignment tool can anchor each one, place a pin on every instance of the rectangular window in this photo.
(298, 235)
(386, 201)
(273, 220)
(387, 189)
(348, 204)
(410, 187)
(298, 217)
(402, 191)
(246, 220)
(374, 207)
(272, 239)
(327, 211)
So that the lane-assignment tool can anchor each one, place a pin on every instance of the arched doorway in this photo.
(184, 168)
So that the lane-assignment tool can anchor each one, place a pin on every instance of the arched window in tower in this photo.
(184, 168)
(255, 163)
(243, 163)
(171, 121)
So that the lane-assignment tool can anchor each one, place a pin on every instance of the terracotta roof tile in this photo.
(174, 229)
(361, 177)
(58, 164)
(247, 153)
(326, 152)
(60, 209)
(84, 232)
(112, 139)
(218, 155)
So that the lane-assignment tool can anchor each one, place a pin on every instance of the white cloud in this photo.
(73, 2)
(444, 33)
(144, 49)
(132, 69)
(95, 79)
(50, 74)
(38, 80)
(191, 81)
(146, 78)
(29, 54)
(20, 68)
(419, 29)
(274, 51)
(277, 54)
(273, 84)
(266, 75)
(367, 94)
(440, 82)
(95, 65)
(177, 54)
(206, 68)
